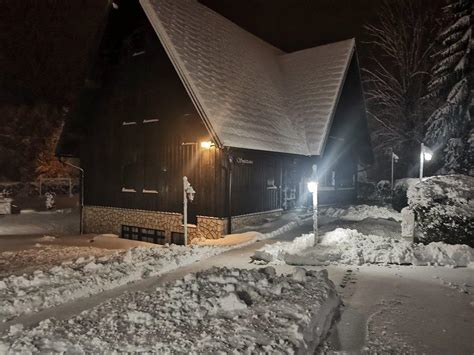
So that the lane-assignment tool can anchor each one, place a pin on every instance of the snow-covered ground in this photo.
(389, 308)
(361, 212)
(216, 311)
(87, 276)
(30, 222)
(347, 246)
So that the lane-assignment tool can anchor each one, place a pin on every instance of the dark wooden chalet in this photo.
(177, 90)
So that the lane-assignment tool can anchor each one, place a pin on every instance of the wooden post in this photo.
(185, 209)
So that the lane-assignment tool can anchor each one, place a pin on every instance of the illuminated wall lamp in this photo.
(207, 144)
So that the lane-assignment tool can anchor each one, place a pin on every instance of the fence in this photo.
(56, 181)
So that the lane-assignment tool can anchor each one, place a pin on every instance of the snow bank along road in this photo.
(217, 310)
(84, 277)
(88, 276)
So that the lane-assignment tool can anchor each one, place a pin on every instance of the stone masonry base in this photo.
(102, 220)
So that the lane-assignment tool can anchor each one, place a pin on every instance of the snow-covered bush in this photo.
(444, 208)
(400, 198)
(383, 190)
(50, 201)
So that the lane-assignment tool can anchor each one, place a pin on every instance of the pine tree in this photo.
(450, 124)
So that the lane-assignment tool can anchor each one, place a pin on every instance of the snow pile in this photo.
(43, 257)
(348, 246)
(444, 206)
(361, 212)
(277, 251)
(216, 311)
(87, 276)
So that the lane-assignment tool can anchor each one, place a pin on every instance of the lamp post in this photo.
(425, 154)
(188, 193)
(313, 188)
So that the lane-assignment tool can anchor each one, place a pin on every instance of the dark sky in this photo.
(297, 24)
(44, 45)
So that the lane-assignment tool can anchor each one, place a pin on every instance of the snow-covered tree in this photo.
(449, 127)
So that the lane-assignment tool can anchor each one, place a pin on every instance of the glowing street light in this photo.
(425, 154)
(313, 188)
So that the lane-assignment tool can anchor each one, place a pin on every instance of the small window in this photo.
(130, 232)
(271, 184)
(153, 236)
(328, 179)
(177, 238)
(148, 235)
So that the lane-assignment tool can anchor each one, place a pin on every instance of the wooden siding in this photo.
(250, 189)
(144, 136)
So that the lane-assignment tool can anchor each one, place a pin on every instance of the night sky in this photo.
(298, 24)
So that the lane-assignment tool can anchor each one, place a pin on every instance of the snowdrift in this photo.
(361, 212)
(347, 246)
(277, 251)
(216, 311)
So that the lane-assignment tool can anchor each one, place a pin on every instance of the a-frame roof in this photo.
(250, 94)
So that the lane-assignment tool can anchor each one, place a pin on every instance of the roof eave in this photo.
(336, 101)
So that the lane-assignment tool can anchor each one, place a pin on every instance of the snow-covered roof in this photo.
(249, 93)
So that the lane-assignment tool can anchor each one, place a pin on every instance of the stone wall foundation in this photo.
(103, 220)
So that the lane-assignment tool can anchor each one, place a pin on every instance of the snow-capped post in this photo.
(425, 154)
(313, 188)
(394, 160)
(188, 193)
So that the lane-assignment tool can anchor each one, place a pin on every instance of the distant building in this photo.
(178, 90)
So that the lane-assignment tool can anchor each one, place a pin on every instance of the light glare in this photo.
(312, 186)
(206, 144)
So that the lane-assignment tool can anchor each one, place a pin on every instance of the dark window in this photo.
(156, 236)
(328, 179)
(153, 236)
(130, 232)
(345, 176)
(177, 238)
